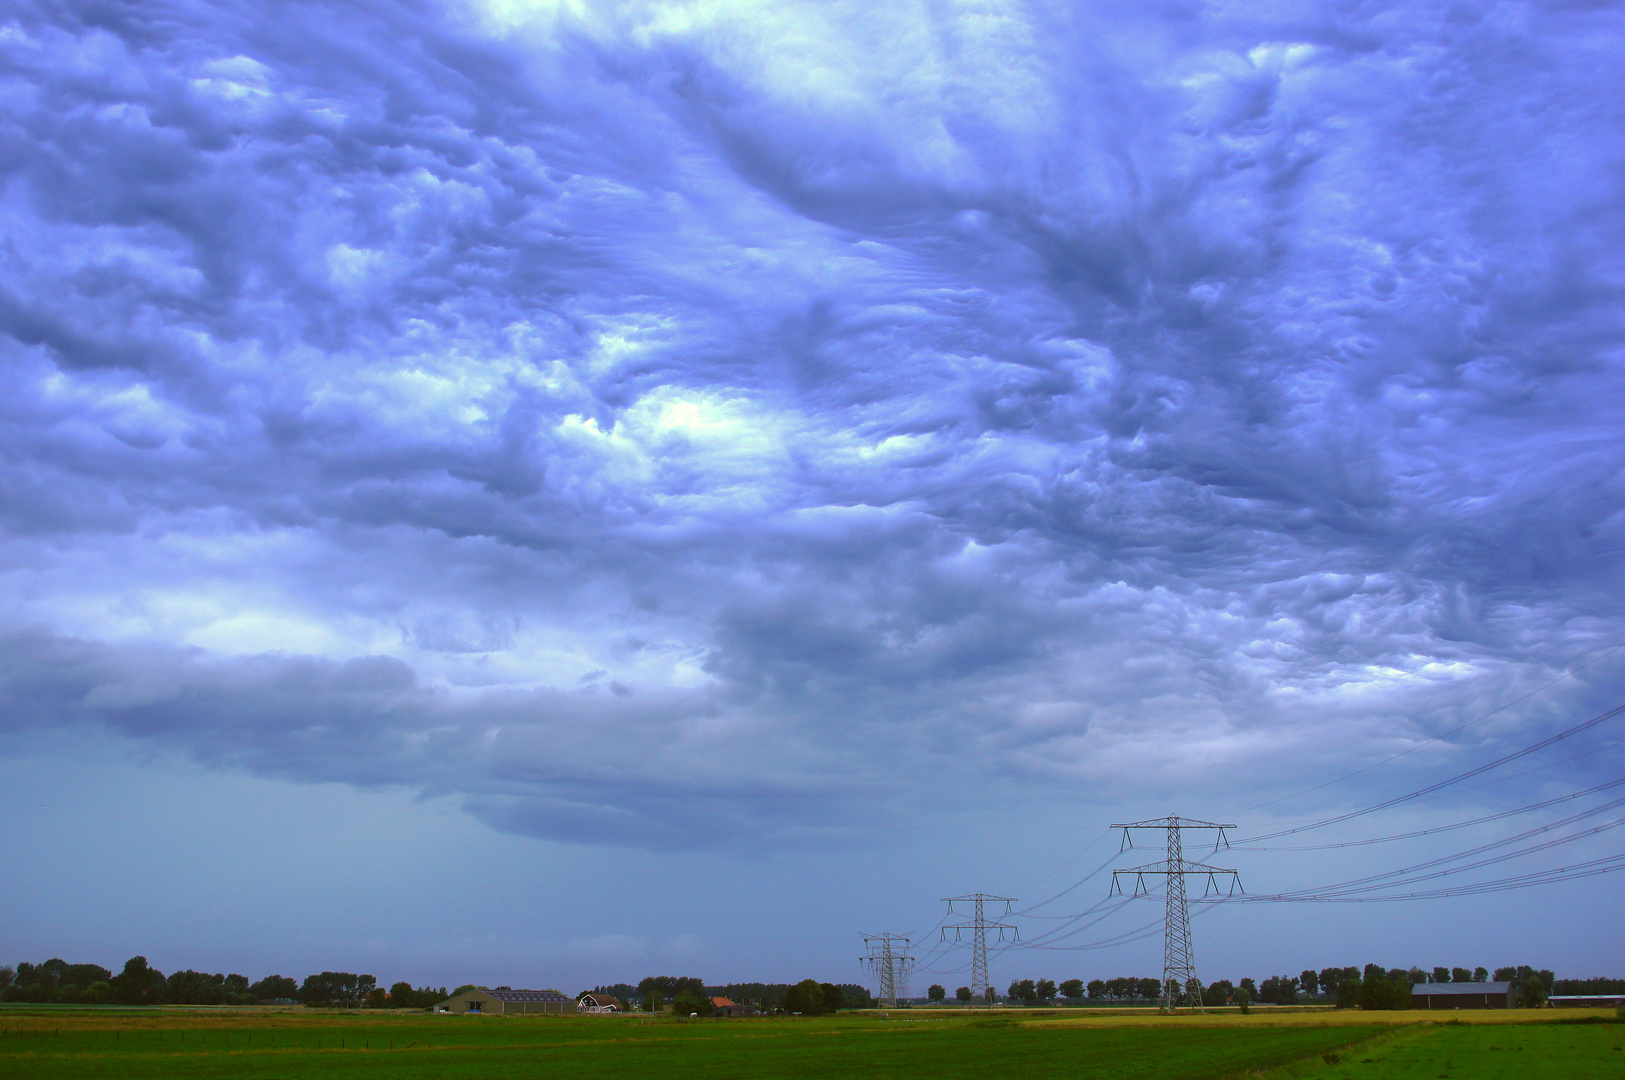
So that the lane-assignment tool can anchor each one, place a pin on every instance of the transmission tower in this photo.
(1179, 981)
(980, 924)
(890, 965)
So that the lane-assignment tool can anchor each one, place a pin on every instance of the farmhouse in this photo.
(503, 1001)
(1454, 995)
(599, 1003)
(724, 1007)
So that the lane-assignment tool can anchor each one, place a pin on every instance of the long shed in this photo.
(504, 1001)
(1454, 995)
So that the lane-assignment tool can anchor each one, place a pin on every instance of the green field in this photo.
(84, 1044)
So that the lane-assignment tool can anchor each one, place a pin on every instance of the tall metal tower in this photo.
(980, 924)
(890, 965)
(1179, 981)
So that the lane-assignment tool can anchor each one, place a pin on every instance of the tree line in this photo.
(1370, 987)
(58, 982)
(689, 995)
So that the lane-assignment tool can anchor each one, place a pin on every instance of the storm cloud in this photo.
(688, 424)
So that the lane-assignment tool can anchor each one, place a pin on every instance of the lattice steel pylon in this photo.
(980, 925)
(889, 964)
(1179, 981)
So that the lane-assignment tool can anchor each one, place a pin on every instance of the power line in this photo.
(1179, 981)
(889, 961)
(1468, 775)
(1441, 828)
(1439, 737)
(979, 925)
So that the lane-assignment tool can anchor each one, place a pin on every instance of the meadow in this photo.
(43, 1043)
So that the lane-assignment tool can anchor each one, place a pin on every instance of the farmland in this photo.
(248, 1044)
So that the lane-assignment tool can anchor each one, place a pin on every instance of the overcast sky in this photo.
(550, 493)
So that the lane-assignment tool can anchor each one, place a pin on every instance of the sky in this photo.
(551, 493)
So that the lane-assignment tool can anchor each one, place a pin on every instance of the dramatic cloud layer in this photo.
(696, 424)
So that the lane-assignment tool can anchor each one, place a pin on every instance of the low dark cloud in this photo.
(678, 425)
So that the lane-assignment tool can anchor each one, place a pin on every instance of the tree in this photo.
(1218, 993)
(1531, 992)
(1147, 988)
(1096, 988)
(936, 993)
(336, 989)
(1244, 996)
(688, 1003)
(1440, 975)
(963, 994)
(834, 1000)
(1460, 975)
(1023, 991)
(1279, 990)
(990, 995)
(1046, 989)
(669, 986)
(377, 998)
(138, 984)
(1072, 989)
(805, 997)
(1480, 975)
(1348, 993)
(274, 986)
(1502, 974)
(651, 1001)
(1332, 978)
(1309, 979)
(8, 975)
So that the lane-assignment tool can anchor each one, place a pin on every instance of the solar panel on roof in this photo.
(528, 995)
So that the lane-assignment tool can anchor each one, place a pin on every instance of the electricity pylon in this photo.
(980, 924)
(1179, 981)
(889, 964)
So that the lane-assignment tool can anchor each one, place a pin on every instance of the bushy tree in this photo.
(1460, 975)
(1279, 990)
(1348, 993)
(1480, 975)
(1440, 975)
(688, 1003)
(336, 989)
(1309, 980)
(963, 994)
(1096, 988)
(805, 997)
(669, 986)
(1072, 989)
(937, 993)
(1046, 989)
(274, 986)
(1531, 992)
(1023, 991)
(139, 983)
(1218, 993)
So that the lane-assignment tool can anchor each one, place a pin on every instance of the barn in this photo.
(504, 1002)
(1470, 995)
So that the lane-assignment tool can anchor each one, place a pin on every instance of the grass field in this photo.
(134, 1044)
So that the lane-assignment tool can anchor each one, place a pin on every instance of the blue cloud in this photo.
(679, 426)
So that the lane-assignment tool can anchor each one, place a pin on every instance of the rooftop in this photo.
(529, 995)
